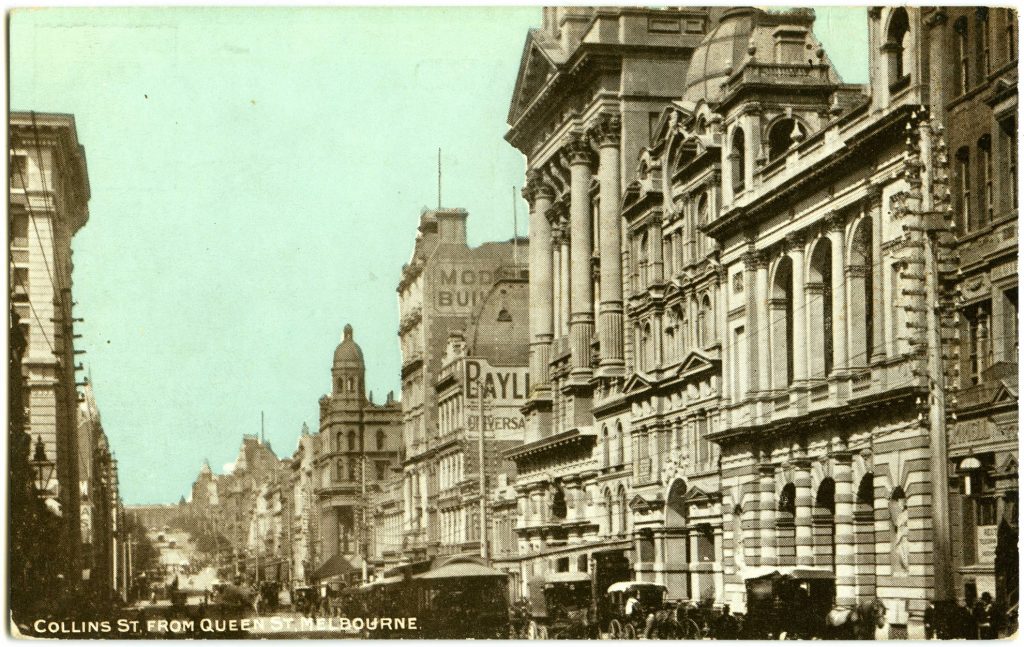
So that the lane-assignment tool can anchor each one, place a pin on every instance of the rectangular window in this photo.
(739, 344)
(978, 321)
(19, 229)
(20, 284)
(985, 149)
(1008, 128)
(19, 171)
(382, 470)
(1010, 324)
(964, 171)
(1011, 34)
(985, 61)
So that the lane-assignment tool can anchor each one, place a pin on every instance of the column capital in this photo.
(579, 152)
(794, 241)
(755, 260)
(873, 196)
(607, 130)
(834, 222)
(937, 18)
(535, 187)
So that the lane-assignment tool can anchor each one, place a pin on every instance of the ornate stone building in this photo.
(590, 91)
(973, 76)
(357, 448)
(441, 286)
(47, 204)
(772, 397)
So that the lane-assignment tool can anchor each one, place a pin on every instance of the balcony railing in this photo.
(776, 73)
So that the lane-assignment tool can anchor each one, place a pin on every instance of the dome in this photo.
(348, 351)
(720, 53)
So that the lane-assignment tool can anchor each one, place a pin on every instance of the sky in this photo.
(257, 176)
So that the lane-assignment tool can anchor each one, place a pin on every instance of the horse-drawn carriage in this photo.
(614, 616)
(788, 602)
(561, 606)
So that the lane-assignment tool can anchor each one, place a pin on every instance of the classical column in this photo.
(581, 322)
(837, 239)
(556, 283)
(565, 291)
(609, 332)
(802, 519)
(769, 554)
(755, 303)
(762, 329)
(722, 326)
(877, 328)
(719, 575)
(541, 313)
(796, 254)
(844, 538)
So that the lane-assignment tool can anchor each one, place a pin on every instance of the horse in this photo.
(857, 622)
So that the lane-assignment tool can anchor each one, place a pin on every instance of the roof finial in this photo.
(348, 332)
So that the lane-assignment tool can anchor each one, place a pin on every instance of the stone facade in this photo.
(48, 204)
(356, 450)
(444, 282)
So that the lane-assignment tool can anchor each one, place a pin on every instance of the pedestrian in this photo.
(725, 626)
(984, 616)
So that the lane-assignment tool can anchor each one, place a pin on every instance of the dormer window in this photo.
(897, 48)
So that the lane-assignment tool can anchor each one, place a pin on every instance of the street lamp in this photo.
(42, 468)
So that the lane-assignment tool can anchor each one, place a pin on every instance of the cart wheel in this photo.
(630, 632)
(614, 630)
(542, 633)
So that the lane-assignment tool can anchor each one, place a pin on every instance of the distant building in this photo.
(356, 450)
(441, 286)
(48, 204)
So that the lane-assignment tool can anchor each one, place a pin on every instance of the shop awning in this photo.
(567, 577)
(798, 573)
(337, 566)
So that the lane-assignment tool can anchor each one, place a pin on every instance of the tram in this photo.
(457, 596)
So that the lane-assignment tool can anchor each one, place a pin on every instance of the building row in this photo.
(765, 319)
(63, 476)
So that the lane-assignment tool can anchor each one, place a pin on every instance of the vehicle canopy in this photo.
(650, 594)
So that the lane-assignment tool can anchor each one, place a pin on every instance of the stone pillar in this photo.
(659, 556)
(724, 336)
(556, 284)
(566, 289)
(754, 305)
(837, 238)
(581, 322)
(610, 316)
(719, 575)
(762, 326)
(541, 312)
(796, 254)
(769, 554)
(877, 325)
(844, 539)
(802, 520)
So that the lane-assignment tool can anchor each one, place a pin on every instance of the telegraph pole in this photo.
(941, 543)
(482, 476)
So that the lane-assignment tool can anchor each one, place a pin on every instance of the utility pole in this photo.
(941, 544)
(481, 473)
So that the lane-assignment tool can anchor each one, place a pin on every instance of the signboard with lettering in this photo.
(460, 288)
(504, 390)
(987, 538)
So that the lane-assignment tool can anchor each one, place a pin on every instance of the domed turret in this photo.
(348, 351)
(719, 55)
(348, 370)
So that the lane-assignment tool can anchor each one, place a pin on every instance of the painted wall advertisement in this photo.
(504, 390)
(987, 537)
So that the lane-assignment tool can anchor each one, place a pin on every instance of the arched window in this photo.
(339, 386)
(339, 469)
(787, 502)
(646, 348)
(825, 516)
(623, 511)
(670, 340)
(737, 160)
(702, 219)
(352, 441)
(781, 317)
(558, 503)
(620, 444)
(865, 503)
(963, 74)
(983, 54)
(706, 323)
(861, 305)
(963, 172)
(897, 47)
(351, 384)
(819, 288)
(338, 445)
(353, 470)
(783, 134)
(1010, 20)
(702, 126)
(985, 184)
(606, 446)
(380, 439)
(609, 512)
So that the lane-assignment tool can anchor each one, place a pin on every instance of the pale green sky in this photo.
(257, 177)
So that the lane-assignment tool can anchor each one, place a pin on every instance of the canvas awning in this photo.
(337, 566)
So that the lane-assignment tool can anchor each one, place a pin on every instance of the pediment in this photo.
(1004, 393)
(697, 495)
(643, 506)
(636, 382)
(539, 62)
(697, 363)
